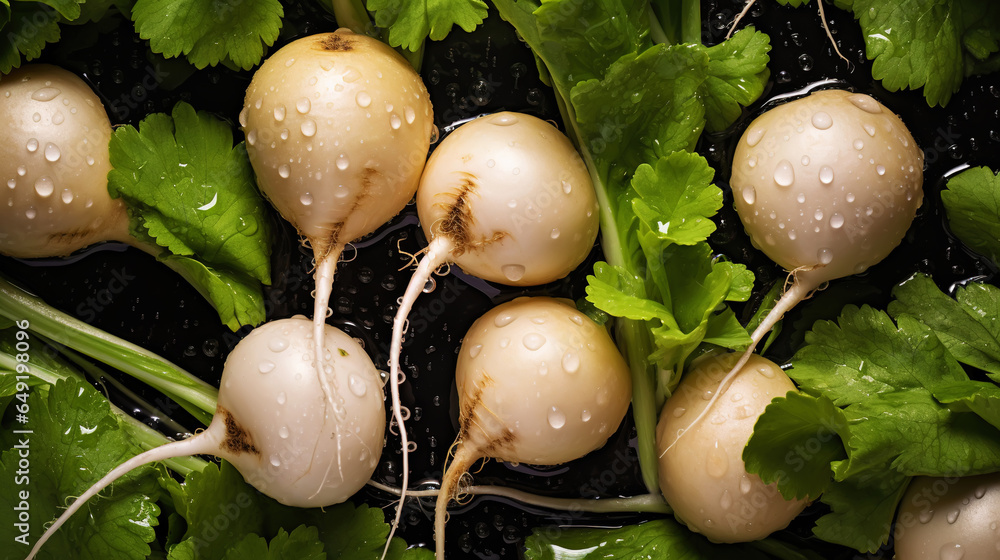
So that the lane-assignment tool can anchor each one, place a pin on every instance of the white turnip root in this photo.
(338, 126)
(703, 477)
(826, 186)
(55, 136)
(508, 199)
(538, 383)
(949, 518)
(271, 420)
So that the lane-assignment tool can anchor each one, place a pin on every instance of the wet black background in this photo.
(469, 75)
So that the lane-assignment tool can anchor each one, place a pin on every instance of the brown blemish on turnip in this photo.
(335, 42)
(458, 219)
(237, 440)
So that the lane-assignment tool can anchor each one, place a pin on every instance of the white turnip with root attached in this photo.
(538, 383)
(703, 477)
(271, 420)
(55, 136)
(507, 198)
(826, 186)
(338, 126)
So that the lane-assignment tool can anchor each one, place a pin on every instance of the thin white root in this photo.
(437, 253)
(798, 291)
(325, 268)
(650, 503)
(195, 445)
(746, 10)
(829, 34)
(460, 463)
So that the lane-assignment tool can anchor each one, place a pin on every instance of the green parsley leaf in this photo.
(969, 326)
(862, 510)
(737, 75)
(977, 397)
(972, 204)
(208, 32)
(411, 22)
(677, 215)
(302, 544)
(76, 440)
(661, 538)
(189, 190)
(794, 442)
(68, 9)
(922, 43)
(31, 27)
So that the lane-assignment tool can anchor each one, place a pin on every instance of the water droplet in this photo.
(784, 175)
(869, 129)
(865, 103)
(805, 160)
(303, 105)
(44, 186)
(21, 170)
(850, 197)
(277, 344)
(836, 221)
(342, 162)
(504, 120)
(435, 134)
(275, 461)
(352, 75)
(283, 432)
(279, 113)
(749, 194)
(306, 199)
(67, 196)
(32, 145)
(11, 183)
(571, 362)
(822, 120)
(880, 169)
(409, 114)
(58, 118)
(825, 255)
(859, 144)
(36, 117)
(556, 418)
(953, 516)
(503, 320)
(926, 515)
(45, 94)
(717, 462)
(754, 136)
(475, 350)
(980, 492)
(252, 137)
(826, 175)
(679, 411)
(585, 416)
(284, 171)
(554, 234)
(363, 99)
(30, 213)
(52, 152)
(282, 397)
(308, 128)
(567, 187)
(533, 341)
(395, 122)
(357, 386)
(727, 501)
(952, 551)
(513, 272)
(243, 116)
(745, 485)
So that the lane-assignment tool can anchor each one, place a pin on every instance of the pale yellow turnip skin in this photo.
(54, 174)
(829, 183)
(528, 210)
(949, 519)
(540, 382)
(702, 476)
(337, 126)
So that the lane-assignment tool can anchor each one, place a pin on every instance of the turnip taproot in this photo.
(949, 519)
(271, 420)
(338, 126)
(826, 186)
(509, 200)
(539, 383)
(703, 477)
(55, 136)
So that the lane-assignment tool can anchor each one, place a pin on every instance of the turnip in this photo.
(55, 136)
(508, 199)
(703, 477)
(539, 383)
(949, 519)
(826, 186)
(271, 420)
(338, 126)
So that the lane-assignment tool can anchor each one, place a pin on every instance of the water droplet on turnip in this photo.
(556, 418)
(52, 152)
(865, 103)
(784, 174)
(754, 136)
(308, 128)
(717, 462)
(475, 350)
(284, 171)
(822, 120)
(826, 175)
(45, 94)
(880, 169)
(749, 194)
(825, 255)
(836, 221)
(44, 186)
(571, 362)
(869, 129)
(503, 320)
(513, 272)
(279, 113)
(395, 122)
(32, 145)
(357, 386)
(533, 341)
(277, 344)
(342, 162)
